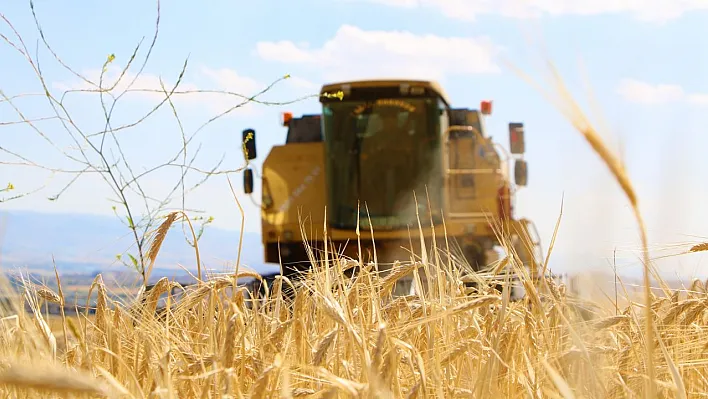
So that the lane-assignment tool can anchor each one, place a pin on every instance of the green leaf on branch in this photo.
(135, 261)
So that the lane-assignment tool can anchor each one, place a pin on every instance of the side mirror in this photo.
(248, 181)
(516, 138)
(521, 172)
(249, 144)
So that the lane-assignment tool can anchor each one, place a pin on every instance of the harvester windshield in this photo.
(380, 152)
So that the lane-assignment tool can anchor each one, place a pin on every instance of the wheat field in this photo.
(343, 337)
(348, 337)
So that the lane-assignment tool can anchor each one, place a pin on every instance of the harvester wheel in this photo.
(476, 257)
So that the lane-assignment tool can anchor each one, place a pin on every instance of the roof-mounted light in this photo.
(404, 89)
(486, 107)
(417, 90)
(286, 117)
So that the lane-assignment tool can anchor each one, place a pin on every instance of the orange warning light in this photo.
(286, 118)
(486, 107)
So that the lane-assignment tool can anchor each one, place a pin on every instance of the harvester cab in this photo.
(382, 156)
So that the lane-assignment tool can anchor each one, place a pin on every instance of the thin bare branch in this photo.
(104, 153)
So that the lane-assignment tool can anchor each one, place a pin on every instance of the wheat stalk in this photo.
(51, 380)
(699, 247)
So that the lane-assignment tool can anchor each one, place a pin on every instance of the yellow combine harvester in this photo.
(376, 143)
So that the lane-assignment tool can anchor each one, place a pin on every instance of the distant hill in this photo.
(87, 244)
(83, 244)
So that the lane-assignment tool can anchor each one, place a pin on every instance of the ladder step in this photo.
(472, 171)
(470, 215)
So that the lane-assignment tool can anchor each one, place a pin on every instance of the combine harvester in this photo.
(374, 145)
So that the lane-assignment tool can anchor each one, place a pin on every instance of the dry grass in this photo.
(700, 247)
(349, 338)
(566, 104)
(342, 337)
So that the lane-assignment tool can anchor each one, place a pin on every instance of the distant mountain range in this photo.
(86, 244)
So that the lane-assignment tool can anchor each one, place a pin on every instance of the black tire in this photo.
(477, 258)
(474, 255)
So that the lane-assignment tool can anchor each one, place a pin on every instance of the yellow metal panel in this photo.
(474, 176)
(294, 179)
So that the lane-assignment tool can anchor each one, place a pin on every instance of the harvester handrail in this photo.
(462, 128)
(472, 171)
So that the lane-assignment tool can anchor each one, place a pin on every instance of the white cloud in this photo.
(645, 10)
(301, 83)
(698, 99)
(646, 93)
(229, 80)
(357, 53)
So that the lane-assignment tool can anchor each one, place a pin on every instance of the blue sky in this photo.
(641, 63)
